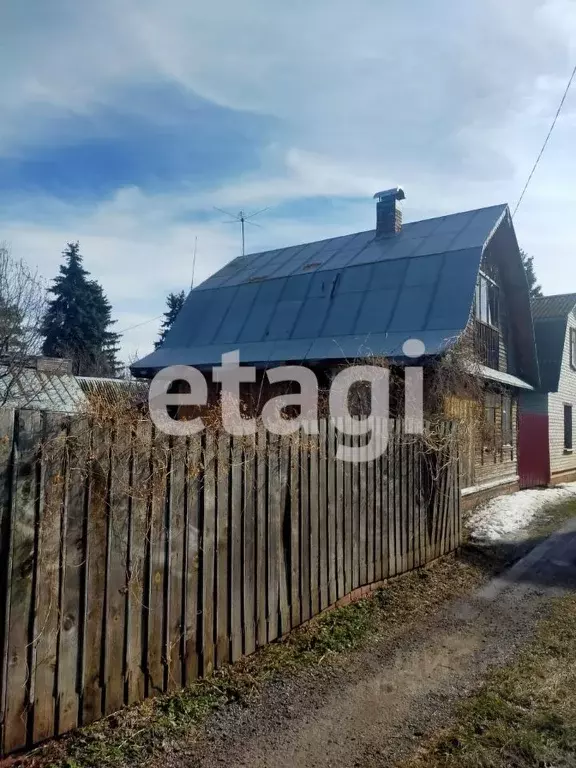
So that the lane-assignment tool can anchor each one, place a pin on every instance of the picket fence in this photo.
(132, 563)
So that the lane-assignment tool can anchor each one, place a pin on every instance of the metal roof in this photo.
(113, 390)
(500, 376)
(342, 298)
(29, 388)
(548, 307)
(550, 320)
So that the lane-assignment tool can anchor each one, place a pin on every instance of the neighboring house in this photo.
(42, 384)
(547, 430)
(363, 295)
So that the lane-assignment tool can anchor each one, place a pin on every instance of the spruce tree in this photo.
(174, 302)
(78, 320)
(534, 287)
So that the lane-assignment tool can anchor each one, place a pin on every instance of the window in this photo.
(507, 430)
(573, 348)
(568, 428)
(486, 304)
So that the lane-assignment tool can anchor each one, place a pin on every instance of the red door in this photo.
(533, 450)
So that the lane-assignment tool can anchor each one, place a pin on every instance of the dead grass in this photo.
(525, 713)
(138, 735)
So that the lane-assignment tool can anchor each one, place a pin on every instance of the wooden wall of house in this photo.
(562, 460)
(486, 453)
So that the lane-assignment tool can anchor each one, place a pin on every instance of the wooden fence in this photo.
(132, 563)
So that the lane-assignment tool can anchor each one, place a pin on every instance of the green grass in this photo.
(525, 713)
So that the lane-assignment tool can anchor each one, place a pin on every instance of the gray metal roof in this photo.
(113, 390)
(341, 298)
(549, 307)
(29, 388)
(550, 320)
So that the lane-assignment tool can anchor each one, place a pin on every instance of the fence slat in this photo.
(325, 540)
(208, 557)
(96, 545)
(363, 513)
(332, 513)
(314, 511)
(71, 583)
(347, 467)
(48, 582)
(236, 514)
(175, 553)
(295, 595)
(284, 536)
(305, 601)
(20, 595)
(192, 575)
(250, 554)
(261, 525)
(273, 535)
(340, 518)
(222, 554)
(158, 604)
(118, 516)
(7, 419)
(138, 522)
(370, 521)
(377, 497)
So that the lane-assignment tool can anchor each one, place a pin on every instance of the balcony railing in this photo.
(487, 345)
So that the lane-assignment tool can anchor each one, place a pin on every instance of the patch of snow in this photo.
(504, 516)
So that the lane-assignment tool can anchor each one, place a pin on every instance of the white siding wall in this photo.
(561, 461)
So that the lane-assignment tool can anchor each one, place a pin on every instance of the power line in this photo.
(144, 322)
(556, 116)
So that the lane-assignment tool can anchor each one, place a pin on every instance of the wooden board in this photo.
(261, 534)
(96, 548)
(207, 552)
(222, 555)
(236, 533)
(138, 534)
(176, 554)
(21, 581)
(249, 542)
(314, 511)
(192, 566)
(295, 553)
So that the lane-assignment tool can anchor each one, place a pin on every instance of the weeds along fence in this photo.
(133, 563)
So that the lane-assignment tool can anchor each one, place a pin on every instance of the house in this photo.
(547, 415)
(443, 281)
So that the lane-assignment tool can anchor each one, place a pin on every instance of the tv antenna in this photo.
(194, 262)
(243, 218)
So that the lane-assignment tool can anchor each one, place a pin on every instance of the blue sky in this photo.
(122, 125)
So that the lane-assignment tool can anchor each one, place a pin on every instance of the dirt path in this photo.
(374, 710)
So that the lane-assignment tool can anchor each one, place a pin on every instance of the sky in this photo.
(124, 123)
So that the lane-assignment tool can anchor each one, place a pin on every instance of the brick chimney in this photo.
(388, 214)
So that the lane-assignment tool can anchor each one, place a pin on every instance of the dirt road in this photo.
(374, 711)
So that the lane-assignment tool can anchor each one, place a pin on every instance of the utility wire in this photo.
(556, 116)
(144, 322)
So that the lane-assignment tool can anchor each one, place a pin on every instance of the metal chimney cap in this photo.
(396, 193)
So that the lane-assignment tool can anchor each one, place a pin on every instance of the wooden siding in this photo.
(484, 455)
(132, 563)
(560, 460)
